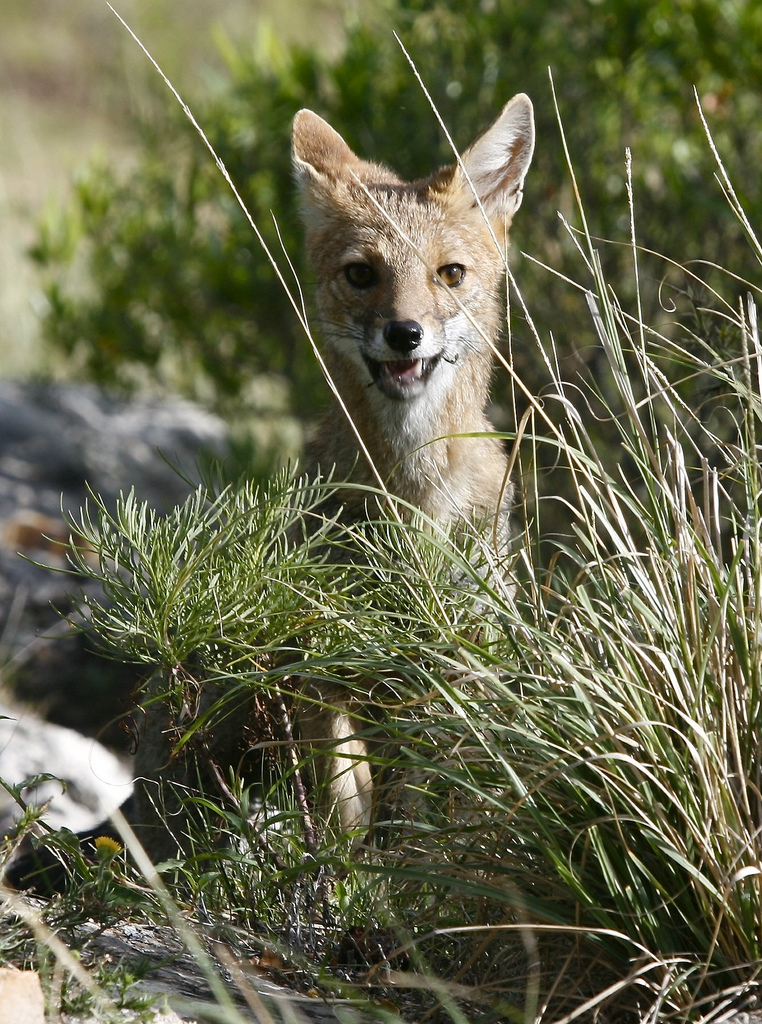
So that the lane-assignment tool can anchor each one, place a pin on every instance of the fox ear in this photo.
(498, 161)
(318, 152)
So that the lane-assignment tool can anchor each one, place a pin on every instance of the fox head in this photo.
(408, 273)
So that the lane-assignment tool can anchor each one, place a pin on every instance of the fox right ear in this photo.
(317, 150)
(498, 161)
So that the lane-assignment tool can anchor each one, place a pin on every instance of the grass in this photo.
(571, 816)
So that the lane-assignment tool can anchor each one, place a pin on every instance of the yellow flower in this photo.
(106, 846)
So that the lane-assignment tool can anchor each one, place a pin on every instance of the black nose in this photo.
(403, 335)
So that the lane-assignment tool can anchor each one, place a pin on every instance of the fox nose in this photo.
(403, 335)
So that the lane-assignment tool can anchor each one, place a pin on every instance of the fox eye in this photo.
(452, 274)
(360, 275)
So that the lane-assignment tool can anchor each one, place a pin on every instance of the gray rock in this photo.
(176, 978)
(56, 441)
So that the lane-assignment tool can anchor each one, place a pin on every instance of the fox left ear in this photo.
(498, 161)
(318, 151)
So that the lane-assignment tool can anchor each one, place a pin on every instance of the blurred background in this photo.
(76, 89)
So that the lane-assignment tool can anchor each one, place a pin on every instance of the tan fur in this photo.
(360, 213)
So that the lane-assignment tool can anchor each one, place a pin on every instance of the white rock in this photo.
(96, 780)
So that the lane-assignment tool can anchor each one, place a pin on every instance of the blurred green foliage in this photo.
(160, 273)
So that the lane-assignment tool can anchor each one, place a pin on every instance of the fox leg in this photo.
(341, 762)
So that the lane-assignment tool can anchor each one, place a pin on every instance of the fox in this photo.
(408, 293)
(408, 281)
(408, 278)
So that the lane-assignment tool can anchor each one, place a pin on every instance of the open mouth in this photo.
(401, 378)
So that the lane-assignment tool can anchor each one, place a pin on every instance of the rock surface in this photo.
(55, 439)
(93, 781)
(56, 442)
(21, 997)
(175, 976)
